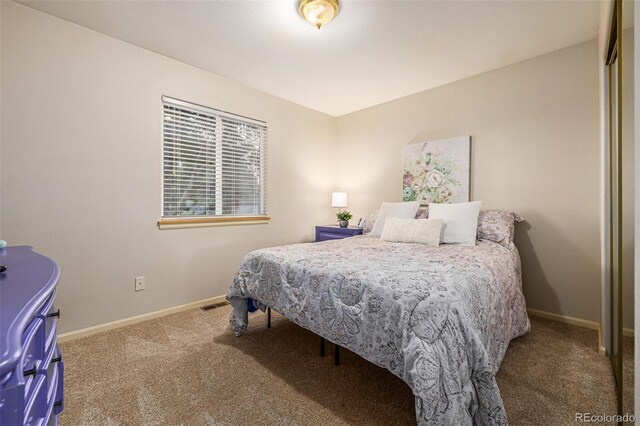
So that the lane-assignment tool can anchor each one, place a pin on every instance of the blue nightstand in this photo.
(334, 232)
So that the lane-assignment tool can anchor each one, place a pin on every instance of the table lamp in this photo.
(339, 199)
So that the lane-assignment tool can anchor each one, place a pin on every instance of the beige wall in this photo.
(535, 147)
(80, 169)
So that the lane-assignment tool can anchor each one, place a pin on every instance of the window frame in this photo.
(172, 222)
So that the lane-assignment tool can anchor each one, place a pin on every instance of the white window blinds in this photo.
(213, 162)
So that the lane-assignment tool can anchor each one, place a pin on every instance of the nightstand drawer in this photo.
(332, 232)
(322, 236)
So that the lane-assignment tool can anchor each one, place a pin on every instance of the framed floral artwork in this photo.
(437, 171)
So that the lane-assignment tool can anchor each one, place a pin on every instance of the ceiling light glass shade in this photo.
(319, 12)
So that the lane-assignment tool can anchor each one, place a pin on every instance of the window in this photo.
(213, 165)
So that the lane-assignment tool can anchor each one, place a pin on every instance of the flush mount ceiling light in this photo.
(319, 12)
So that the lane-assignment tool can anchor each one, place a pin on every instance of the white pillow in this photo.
(401, 210)
(421, 231)
(460, 221)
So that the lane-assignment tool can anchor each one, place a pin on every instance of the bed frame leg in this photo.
(268, 317)
(336, 360)
(322, 346)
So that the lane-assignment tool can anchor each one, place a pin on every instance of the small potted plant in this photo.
(343, 218)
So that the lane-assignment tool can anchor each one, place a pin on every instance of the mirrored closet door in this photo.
(619, 165)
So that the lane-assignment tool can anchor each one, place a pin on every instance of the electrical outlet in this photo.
(140, 284)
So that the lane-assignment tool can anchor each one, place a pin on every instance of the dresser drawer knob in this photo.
(30, 372)
(54, 314)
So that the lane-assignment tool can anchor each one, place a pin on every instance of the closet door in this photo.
(620, 193)
(615, 223)
(627, 194)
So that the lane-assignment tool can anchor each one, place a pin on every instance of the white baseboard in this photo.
(64, 337)
(217, 299)
(580, 323)
(592, 325)
(627, 332)
(565, 319)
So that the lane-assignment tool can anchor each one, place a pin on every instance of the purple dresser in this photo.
(31, 368)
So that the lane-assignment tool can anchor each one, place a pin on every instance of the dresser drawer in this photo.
(52, 372)
(53, 379)
(32, 348)
(59, 395)
(49, 315)
(47, 307)
(35, 410)
(51, 336)
(32, 356)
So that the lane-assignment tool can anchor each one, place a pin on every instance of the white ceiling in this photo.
(374, 51)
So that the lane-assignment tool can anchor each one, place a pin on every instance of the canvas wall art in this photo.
(437, 171)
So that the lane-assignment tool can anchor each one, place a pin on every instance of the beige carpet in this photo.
(188, 369)
(627, 371)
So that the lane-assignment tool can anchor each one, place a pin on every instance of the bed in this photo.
(440, 318)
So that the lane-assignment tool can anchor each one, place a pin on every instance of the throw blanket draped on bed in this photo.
(439, 318)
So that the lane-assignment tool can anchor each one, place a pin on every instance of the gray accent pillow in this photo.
(497, 226)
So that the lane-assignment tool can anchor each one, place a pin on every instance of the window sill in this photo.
(177, 223)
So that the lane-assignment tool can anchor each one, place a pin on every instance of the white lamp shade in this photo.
(339, 199)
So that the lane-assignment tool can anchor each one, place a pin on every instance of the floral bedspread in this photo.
(440, 318)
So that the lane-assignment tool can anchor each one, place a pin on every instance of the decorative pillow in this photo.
(497, 226)
(369, 222)
(423, 212)
(460, 221)
(420, 231)
(402, 210)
